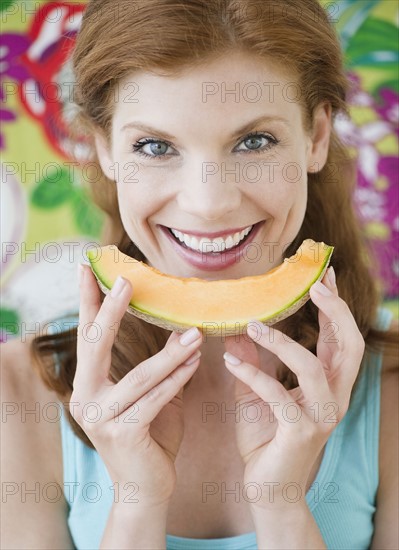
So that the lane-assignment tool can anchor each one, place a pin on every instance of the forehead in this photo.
(220, 89)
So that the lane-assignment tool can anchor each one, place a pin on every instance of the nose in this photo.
(209, 190)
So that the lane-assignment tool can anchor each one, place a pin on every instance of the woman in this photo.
(211, 119)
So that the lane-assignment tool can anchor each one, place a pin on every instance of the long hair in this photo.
(168, 36)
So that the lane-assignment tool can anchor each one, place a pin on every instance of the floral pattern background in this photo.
(47, 219)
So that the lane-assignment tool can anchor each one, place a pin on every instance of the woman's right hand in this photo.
(135, 425)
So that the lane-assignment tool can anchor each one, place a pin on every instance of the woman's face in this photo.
(213, 153)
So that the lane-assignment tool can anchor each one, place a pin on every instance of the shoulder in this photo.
(389, 410)
(18, 375)
(27, 402)
(390, 362)
(31, 435)
(389, 402)
(386, 534)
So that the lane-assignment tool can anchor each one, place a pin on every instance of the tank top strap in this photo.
(372, 362)
(384, 318)
(364, 411)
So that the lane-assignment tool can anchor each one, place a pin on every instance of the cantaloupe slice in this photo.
(218, 308)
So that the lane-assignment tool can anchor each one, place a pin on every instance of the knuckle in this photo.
(110, 434)
(326, 427)
(108, 306)
(89, 423)
(255, 377)
(86, 414)
(339, 309)
(343, 305)
(309, 431)
(169, 352)
(360, 345)
(139, 376)
(175, 376)
(154, 394)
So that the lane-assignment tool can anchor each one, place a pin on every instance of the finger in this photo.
(151, 372)
(97, 338)
(90, 297)
(112, 310)
(246, 349)
(307, 367)
(329, 280)
(173, 336)
(270, 390)
(152, 402)
(326, 326)
(340, 335)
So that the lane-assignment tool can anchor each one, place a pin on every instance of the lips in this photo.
(212, 261)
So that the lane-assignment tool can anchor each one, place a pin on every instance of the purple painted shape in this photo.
(12, 46)
(373, 204)
(388, 108)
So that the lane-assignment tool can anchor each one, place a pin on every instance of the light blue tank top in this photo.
(342, 498)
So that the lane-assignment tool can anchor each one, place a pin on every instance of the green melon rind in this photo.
(221, 328)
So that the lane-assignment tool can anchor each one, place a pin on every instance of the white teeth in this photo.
(206, 245)
(229, 242)
(237, 238)
(219, 244)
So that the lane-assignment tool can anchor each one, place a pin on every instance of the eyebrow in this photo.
(242, 130)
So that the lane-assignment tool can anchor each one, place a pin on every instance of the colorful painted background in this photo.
(47, 220)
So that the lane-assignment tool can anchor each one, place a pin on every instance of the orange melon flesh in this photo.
(222, 307)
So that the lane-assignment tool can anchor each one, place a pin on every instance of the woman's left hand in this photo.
(281, 432)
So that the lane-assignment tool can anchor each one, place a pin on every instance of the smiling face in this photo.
(218, 153)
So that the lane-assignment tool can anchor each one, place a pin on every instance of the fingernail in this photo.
(81, 273)
(331, 276)
(118, 287)
(232, 359)
(190, 336)
(193, 358)
(322, 289)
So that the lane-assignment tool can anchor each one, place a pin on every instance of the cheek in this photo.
(284, 190)
(139, 195)
(292, 178)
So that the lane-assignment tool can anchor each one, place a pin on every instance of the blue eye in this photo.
(254, 142)
(151, 148)
(257, 143)
(161, 150)
(158, 147)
